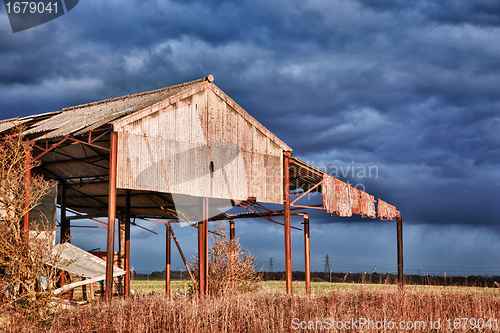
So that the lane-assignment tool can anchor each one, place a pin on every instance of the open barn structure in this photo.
(178, 154)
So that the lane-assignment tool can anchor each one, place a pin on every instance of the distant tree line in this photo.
(376, 278)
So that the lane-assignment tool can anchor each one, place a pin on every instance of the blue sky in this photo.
(410, 88)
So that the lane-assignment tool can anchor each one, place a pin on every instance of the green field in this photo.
(155, 286)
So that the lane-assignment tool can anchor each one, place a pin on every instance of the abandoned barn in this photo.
(178, 154)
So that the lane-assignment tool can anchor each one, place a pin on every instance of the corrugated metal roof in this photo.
(6, 125)
(84, 118)
(83, 264)
(301, 177)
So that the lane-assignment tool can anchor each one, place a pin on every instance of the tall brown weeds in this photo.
(263, 312)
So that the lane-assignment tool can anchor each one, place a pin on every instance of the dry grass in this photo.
(272, 312)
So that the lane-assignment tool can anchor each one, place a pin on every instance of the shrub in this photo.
(229, 266)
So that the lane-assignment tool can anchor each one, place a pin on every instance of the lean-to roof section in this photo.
(338, 197)
(83, 118)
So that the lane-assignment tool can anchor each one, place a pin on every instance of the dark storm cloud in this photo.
(479, 12)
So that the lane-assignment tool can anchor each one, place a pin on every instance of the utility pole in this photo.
(271, 263)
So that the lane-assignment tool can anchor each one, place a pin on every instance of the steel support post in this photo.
(65, 227)
(307, 252)
(233, 252)
(121, 253)
(201, 247)
(27, 192)
(64, 224)
(205, 236)
(288, 240)
(399, 220)
(167, 263)
(127, 244)
(110, 247)
(201, 259)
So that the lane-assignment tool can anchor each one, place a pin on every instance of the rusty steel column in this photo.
(233, 252)
(27, 194)
(288, 239)
(65, 227)
(110, 247)
(167, 265)
(205, 236)
(127, 244)
(64, 224)
(121, 253)
(307, 252)
(201, 247)
(201, 259)
(399, 220)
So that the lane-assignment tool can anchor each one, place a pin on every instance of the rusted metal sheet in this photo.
(355, 198)
(367, 205)
(386, 211)
(343, 201)
(336, 196)
(329, 201)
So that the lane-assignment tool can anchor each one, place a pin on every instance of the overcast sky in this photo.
(409, 88)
